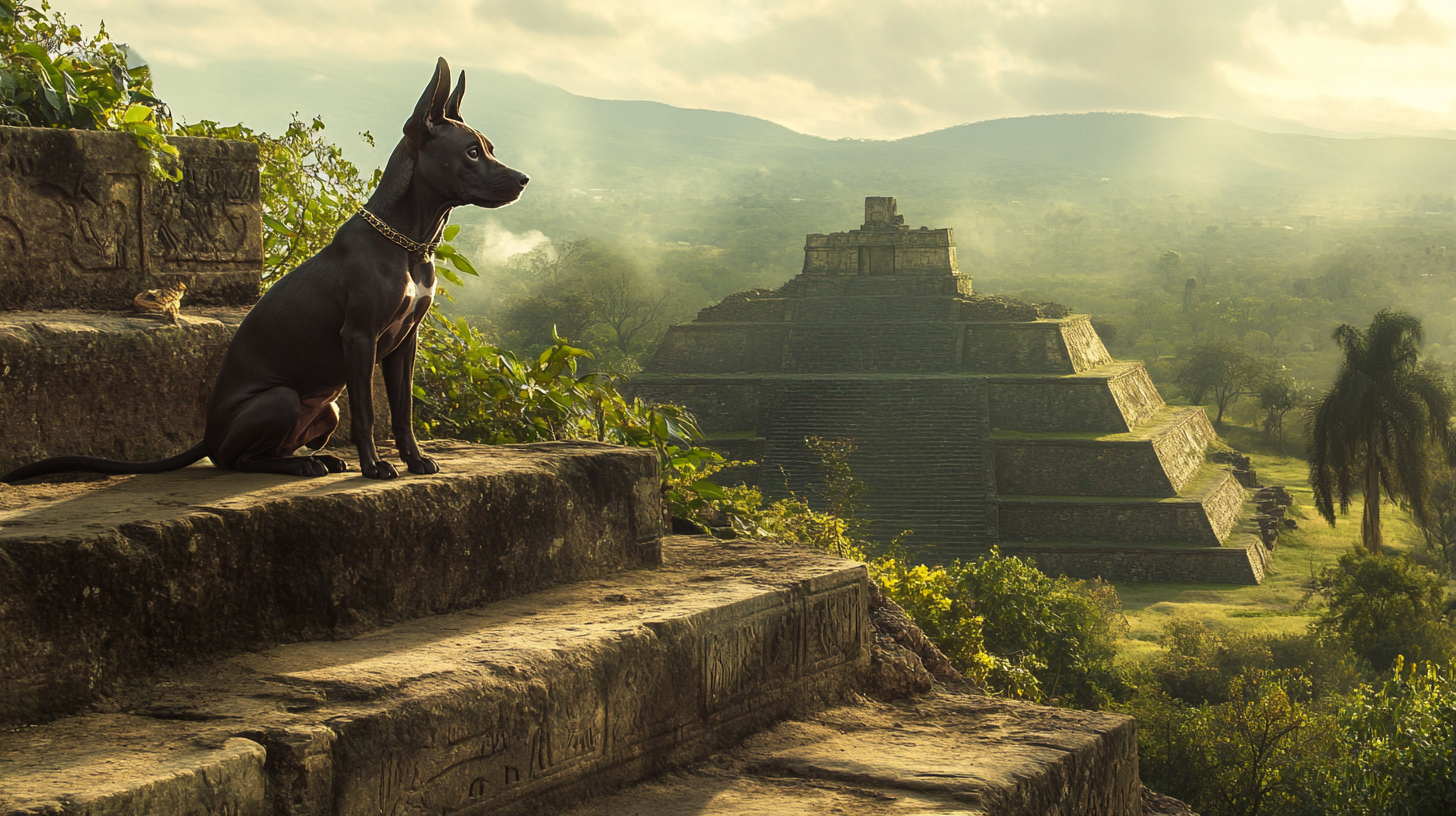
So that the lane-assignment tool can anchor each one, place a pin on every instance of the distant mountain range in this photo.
(569, 142)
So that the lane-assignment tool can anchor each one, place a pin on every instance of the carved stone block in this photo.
(84, 225)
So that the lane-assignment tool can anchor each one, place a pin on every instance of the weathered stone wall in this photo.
(1202, 519)
(883, 245)
(121, 386)
(117, 386)
(806, 286)
(721, 348)
(921, 450)
(1224, 504)
(752, 306)
(995, 309)
(84, 225)
(1083, 347)
(722, 405)
(1137, 398)
(1079, 467)
(866, 348)
(1241, 564)
(1054, 405)
(1180, 447)
(853, 308)
(1016, 348)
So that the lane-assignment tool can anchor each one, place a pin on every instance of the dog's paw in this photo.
(424, 466)
(307, 466)
(332, 463)
(378, 469)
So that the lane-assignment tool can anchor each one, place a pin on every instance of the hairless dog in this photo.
(358, 302)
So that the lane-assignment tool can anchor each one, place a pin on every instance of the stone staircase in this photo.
(508, 636)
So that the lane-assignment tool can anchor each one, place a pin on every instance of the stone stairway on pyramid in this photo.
(512, 635)
(978, 421)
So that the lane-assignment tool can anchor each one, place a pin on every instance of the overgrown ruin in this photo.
(979, 421)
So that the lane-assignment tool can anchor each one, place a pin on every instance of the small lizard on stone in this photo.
(166, 302)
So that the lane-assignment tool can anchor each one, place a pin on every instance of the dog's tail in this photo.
(95, 464)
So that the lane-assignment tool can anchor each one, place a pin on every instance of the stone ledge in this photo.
(106, 580)
(523, 704)
(939, 754)
(1242, 560)
(62, 373)
(116, 766)
(117, 385)
(1203, 516)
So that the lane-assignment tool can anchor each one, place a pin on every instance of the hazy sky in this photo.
(873, 68)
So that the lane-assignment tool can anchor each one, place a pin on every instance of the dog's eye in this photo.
(473, 152)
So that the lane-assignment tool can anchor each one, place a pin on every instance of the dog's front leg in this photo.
(399, 377)
(359, 350)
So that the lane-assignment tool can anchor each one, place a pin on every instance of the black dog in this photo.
(357, 302)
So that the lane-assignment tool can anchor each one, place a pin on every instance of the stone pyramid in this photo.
(979, 421)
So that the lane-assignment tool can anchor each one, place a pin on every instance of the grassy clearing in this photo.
(1275, 606)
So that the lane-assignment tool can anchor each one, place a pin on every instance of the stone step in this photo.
(1242, 559)
(116, 385)
(119, 385)
(938, 754)
(1202, 515)
(108, 580)
(513, 707)
(1115, 397)
(1156, 459)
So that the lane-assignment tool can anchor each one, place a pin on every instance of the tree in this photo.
(536, 320)
(1219, 368)
(1440, 533)
(552, 262)
(1278, 395)
(1371, 431)
(1169, 264)
(630, 311)
(1384, 608)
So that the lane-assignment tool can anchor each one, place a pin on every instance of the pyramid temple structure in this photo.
(978, 421)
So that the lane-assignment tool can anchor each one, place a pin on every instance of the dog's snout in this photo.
(525, 179)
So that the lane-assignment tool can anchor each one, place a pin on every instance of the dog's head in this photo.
(454, 159)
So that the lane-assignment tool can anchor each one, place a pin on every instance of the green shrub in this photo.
(1013, 627)
(467, 389)
(1198, 663)
(1256, 753)
(1384, 607)
(53, 76)
(1396, 747)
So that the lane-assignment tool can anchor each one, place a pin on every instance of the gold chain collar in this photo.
(409, 244)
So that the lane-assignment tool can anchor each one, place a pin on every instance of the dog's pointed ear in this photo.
(452, 105)
(430, 111)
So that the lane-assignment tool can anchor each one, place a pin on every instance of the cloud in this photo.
(553, 18)
(497, 244)
(886, 69)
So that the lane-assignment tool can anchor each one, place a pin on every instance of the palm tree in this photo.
(1373, 429)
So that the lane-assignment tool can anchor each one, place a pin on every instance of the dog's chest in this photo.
(415, 292)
